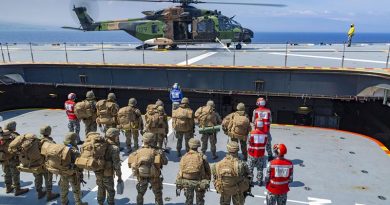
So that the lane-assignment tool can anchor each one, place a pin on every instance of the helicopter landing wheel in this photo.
(173, 47)
(238, 46)
(161, 47)
(228, 45)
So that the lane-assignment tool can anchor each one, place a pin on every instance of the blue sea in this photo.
(59, 36)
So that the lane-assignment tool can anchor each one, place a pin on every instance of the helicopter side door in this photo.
(204, 29)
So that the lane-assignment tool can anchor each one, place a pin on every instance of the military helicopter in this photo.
(183, 24)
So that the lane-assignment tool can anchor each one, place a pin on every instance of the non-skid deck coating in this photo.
(331, 167)
(357, 56)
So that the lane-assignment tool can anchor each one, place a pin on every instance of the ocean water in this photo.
(60, 36)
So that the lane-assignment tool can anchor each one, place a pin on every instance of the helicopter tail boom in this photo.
(85, 20)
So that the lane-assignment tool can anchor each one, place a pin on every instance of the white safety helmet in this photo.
(71, 96)
(175, 86)
(260, 102)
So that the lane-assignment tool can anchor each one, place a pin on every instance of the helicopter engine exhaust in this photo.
(159, 42)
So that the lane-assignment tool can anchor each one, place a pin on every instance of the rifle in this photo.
(249, 191)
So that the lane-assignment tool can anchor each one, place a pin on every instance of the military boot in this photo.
(41, 194)
(20, 191)
(82, 203)
(9, 189)
(50, 196)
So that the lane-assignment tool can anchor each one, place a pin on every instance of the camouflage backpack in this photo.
(154, 121)
(5, 139)
(28, 147)
(126, 117)
(83, 109)
(58, 158)
(191, 166)
(93, 152)
(105, 112)
(145, 163)
(205, 116)
(227, 177)
(182, 120)
(239, 126)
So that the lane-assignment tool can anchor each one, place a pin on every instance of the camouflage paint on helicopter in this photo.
(177, 25)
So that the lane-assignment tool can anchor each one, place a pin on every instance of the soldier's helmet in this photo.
(260, 102)
(70, 138)
(241, 107)
(90, 95)
(112, 132)
(232, 147)
(11, 126)
(185, 101)
(159, 103)
(71, 96)
(132, 101)
(111, 96)
(148, 138)
(280, 149)
(160, 108)
(45, 130)
(194, 143)
(210, 103)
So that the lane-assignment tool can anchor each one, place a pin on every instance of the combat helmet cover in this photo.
(233, 147)
(45, 130)
(194, 143)
(10, 126)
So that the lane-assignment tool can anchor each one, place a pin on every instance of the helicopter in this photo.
(177, 25)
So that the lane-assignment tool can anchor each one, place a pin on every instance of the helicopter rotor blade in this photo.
(242, 4)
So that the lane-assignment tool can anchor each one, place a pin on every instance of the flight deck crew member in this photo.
(264, 113)
(74, 123)
(351, 33)
(278, 176)
(175, 95)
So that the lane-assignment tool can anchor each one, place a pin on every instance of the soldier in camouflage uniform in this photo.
(189, 178)
(161, 137)
(135, 126)
(105, 178)
(154, 181)
(75, 179)
(243, 176)
(90, 123)
(45, 132)
(207, 117)
(239, 139)
(9, 161)
(188, 134)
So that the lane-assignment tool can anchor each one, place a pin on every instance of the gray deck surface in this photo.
(357, 56)
(325, 171)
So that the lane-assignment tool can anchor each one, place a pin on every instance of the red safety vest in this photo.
(281, 171)
(264, 114)
(69, 108)
(257, 141)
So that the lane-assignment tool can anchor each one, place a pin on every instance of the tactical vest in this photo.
(257, 142)
(92, 151)
(206, 116)
(228, 179)
(264, 114)
(5, 140)
(182, 119)
(191, 166)
(145, 163)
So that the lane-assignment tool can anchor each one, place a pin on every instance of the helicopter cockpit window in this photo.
(224, 24)
(154, 28)
(205, 26)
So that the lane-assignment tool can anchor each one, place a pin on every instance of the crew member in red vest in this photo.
(258, 140)
(278, 176)
(74, 123)
(263, 113)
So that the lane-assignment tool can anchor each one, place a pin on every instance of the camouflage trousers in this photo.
(213, 141)
(90, 125)
(64, 188)
(258, 163)
(273, 199)
(243, 146)
(131, 134)
(159, 140)
(142, 186)
(237, 199)
(11, 173)
(74, 126)
(189, 193)
(39, 181)
(268, 146)
(187, 136)
(105, 184)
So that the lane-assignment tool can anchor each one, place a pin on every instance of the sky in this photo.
(298, 16)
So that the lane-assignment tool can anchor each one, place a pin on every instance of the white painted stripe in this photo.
(331, 58)
(297, 50)
(198, 58)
